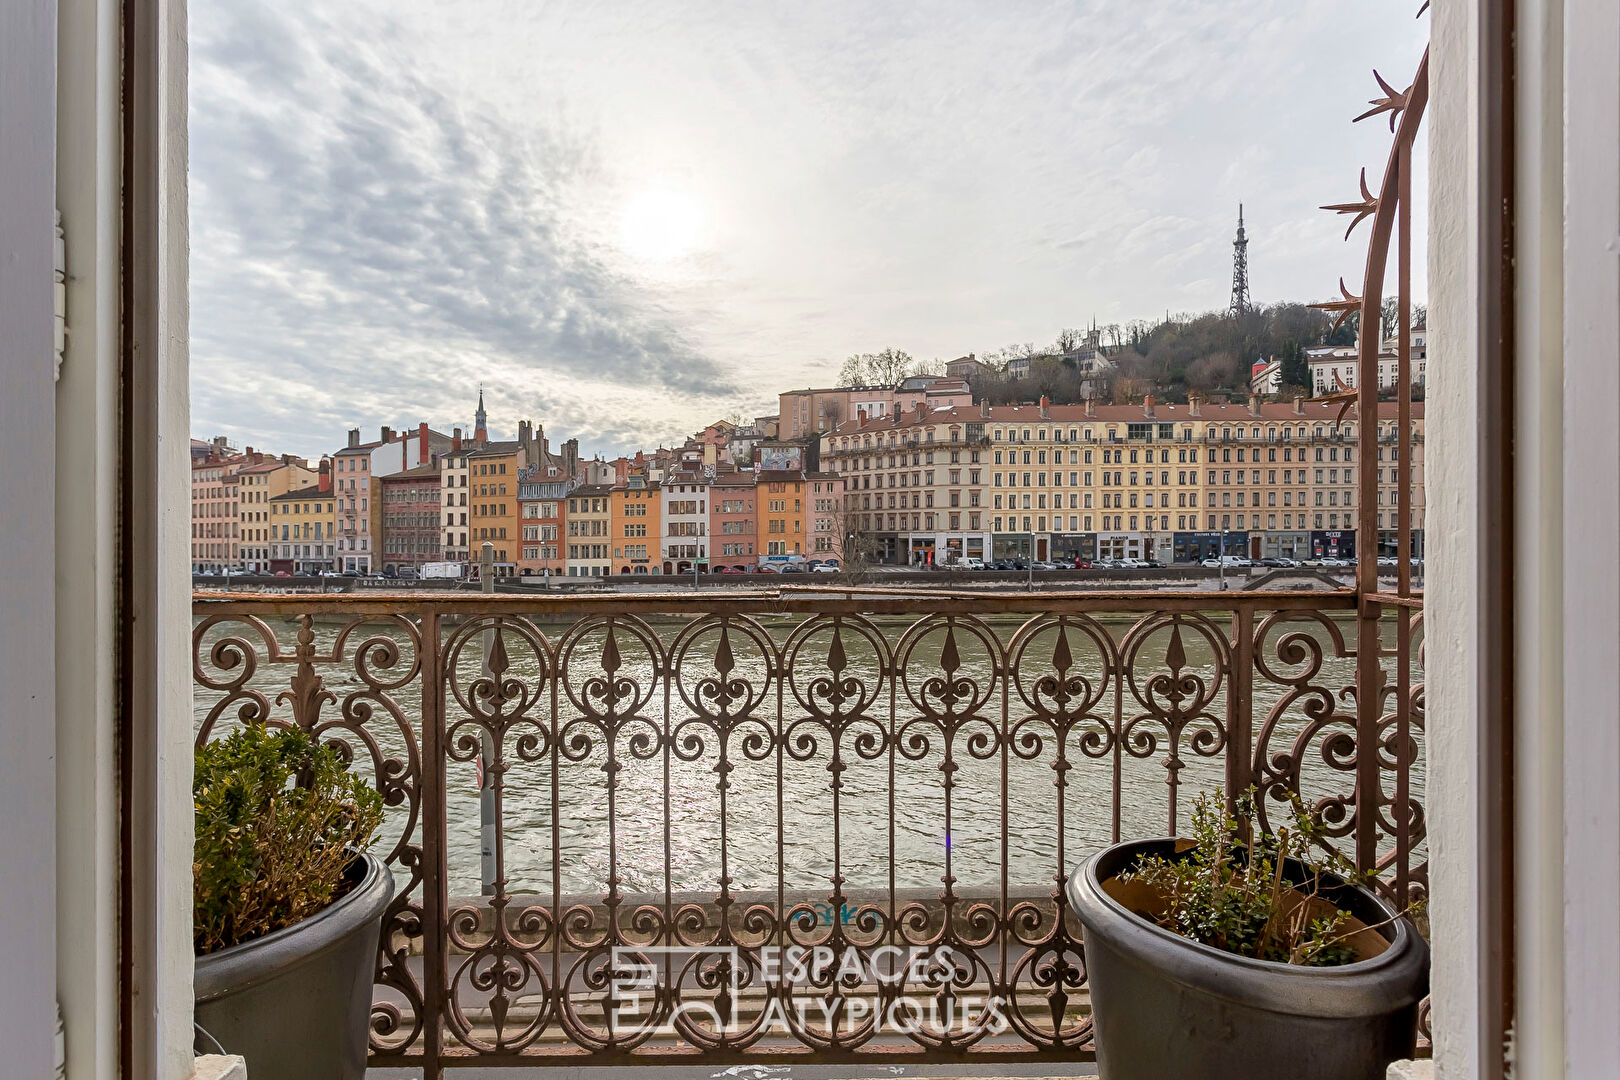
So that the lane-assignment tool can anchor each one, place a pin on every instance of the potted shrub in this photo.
(1231, 954)
(288, 905)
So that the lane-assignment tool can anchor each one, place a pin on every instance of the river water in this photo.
(557, 807)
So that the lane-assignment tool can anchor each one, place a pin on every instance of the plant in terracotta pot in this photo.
(1237, 952)
(288, 906)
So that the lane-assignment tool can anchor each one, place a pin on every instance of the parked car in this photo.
(1129, 563)
(351, 573)
(765, 568)
(1082, 564)
(969, 564)
(1043, 565)
(283, 573)
(824, 568)
(1330, 562)
(730, 570)
(1152, 564)
(792, 568)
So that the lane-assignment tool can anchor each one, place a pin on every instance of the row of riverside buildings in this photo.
(1168, 482)
(731, 495)
(914, 474)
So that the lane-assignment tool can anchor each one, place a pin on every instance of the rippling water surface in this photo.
(663, 825)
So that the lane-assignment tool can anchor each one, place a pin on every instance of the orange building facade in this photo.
(635, 524)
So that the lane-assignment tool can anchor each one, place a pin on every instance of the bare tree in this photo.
(1068, 340)
(876, 369)
(856, 546)
(833, 410)
(1212, 372)
(1047, 375)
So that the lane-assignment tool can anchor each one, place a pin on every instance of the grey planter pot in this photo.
(1167, 1006)
(297, 1003)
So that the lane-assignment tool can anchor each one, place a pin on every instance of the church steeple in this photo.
(481, 425)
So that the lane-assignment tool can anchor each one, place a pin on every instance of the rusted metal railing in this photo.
(685, 783)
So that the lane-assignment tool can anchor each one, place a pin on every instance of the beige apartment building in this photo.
(214, 524)
(811, 411)
(587, 521)
(257, 485)
(453, 488)
(1170, 482)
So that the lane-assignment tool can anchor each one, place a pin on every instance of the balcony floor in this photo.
(986, 1071)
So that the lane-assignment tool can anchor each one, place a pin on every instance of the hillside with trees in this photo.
(1209, 353)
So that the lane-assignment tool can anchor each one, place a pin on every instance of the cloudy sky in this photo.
(627, 219)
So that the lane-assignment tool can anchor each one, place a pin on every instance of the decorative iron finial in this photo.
(1392, 102)
(1362, 209)
(1343, 307)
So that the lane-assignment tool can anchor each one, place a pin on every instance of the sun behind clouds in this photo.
(660, 224)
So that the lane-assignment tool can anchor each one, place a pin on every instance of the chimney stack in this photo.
(1147, 406)
(1194, 405)
(862, 414)
(984, 408)
(1046, 407)
(1091, 408)
(422, 443)
(455, 439)
(1299, 405)
(247, 452)
(1254, 403)
(354, 437)
(323, 482)
(387, 434)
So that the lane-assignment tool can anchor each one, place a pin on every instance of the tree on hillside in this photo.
(1046, 375)
(875, 369)
(1068, 340)
(1295, 371)
(1218, 371)
(1389, 314)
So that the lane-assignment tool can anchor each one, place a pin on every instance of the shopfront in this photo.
(1011, 545)
(1333, 544)
(953, 549)
(920, 551)
(1191, 547)
(1067, 547)
(1287, 544)
(1387, 544)
(1121, 545)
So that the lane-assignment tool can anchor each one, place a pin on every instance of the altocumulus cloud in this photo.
(366, 250)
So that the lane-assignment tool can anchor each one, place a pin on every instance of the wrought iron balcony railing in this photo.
(680, 784)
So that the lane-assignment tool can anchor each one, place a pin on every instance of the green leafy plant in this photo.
(279, 820)
(1235, 890)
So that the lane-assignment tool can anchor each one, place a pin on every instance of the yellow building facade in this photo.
(493, 513)
(257, 484)
(1169, 482)
(303, 531)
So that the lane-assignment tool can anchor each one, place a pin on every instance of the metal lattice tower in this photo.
(1240, 271)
